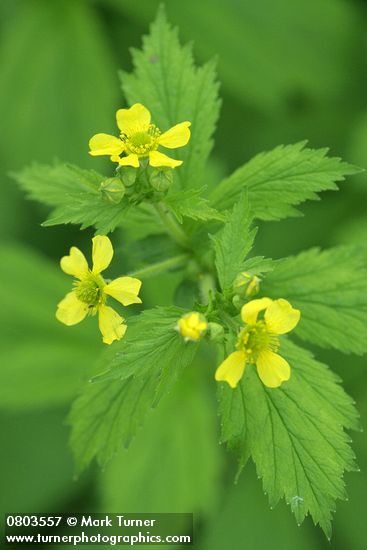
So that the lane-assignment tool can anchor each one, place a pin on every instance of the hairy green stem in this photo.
(207, 287)
(172, 227)
(160, 267)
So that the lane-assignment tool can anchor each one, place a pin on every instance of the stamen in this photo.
(142, 141)
(90, 290)
(254, 339)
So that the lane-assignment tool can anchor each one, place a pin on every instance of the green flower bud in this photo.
(112, 190)
(128, 175)
(216, 332)
(161, 179)
(246, 284)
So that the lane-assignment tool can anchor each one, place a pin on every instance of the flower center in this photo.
(142, 142)
(254, 339)
(90, 290)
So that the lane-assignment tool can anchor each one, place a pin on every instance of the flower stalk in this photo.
(160, 267)
(171, 226)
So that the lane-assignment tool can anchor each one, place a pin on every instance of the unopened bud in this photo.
(128, 175)
(192, 326)
(216, 332)
(112, 189)
(161, 179)
(246, 284)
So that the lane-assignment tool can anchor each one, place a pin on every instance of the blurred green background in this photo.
(289, 70)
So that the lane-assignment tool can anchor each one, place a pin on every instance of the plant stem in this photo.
(172, 227)
(207, 287)
(160, 267)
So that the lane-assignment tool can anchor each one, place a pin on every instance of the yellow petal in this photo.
(115, 158)
(102, 253)
(281, 317)
(130, 160)
(192, 326)
(135, 119)
(111, 324)
(75, 264)
(250, 311)
(125, 290)
(231, 370)
(272, 369)
(157, 159)
(177, 136)
(104, 144)
(70, 310)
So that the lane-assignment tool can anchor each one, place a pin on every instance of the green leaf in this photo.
(258, 265)
(185, 480)
(294, 434)
(330, 289)
(281, 179)
(73, 193)
(191, 204)
(147, 364)
(233, 243)
(166, 80)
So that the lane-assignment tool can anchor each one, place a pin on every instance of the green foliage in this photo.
(73, 193)
(191, 204)
(166, 80)
(294, 434)
(233, 243)
(258, 265)
(281, 179)
(185, 480)
(330, 289)
(147, 364)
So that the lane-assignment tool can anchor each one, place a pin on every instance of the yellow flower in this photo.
(90, 291)
(192, 326)
(139, 138)
(258, 343)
